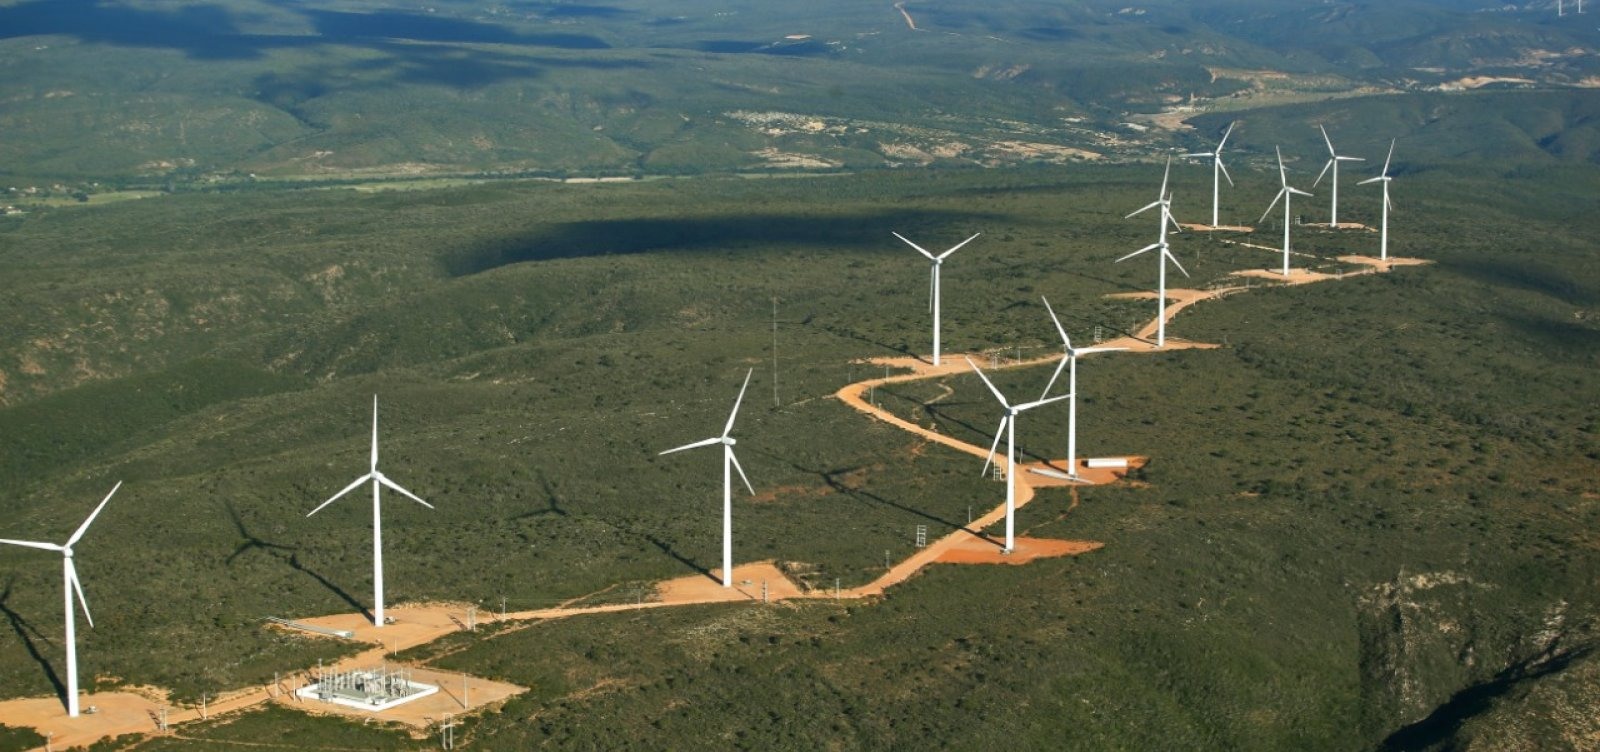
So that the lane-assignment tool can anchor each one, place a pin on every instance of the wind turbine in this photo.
(933, 284)
(1218, 172)
(70, 586)
(1161, 285)
(1286, 193)
(729, 464)
(1008, 426)
(1164, 200)
(1383, 177)
(378, 479)
(1333, 162)
(1071, 358)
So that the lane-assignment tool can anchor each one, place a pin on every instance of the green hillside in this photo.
(534, 345)
(1364, 525)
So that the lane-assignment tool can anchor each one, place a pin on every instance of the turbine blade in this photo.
(696, 445)
(1351, 159)
(1386, 159)
(1037, 403)
(374, 432)
(988, 383)
(33, 544)
(732, 415)
(1205, 154)
(1150, 247)
(347, 489)
(1273, 204)
(1377, 179)
(1327, 141)
(1174, 260)
(1145, 208)
(1164, 175)
(735, 460)
(998, 432)
(77, 586)
(396, 487)
(1322, 174)
(1225, 135)
(957, 246)
(1224, 169)
(1170, 219)
(1298, 192)
(919, 248)
(1065, 340)
(1283, 175)
(96, 513)
(1065, 360)
(1093, 350)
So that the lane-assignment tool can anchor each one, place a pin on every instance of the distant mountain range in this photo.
(133, 93)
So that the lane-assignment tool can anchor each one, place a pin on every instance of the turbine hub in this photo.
(729, 440)
(377, 475)
(67, 552)
(938, 261)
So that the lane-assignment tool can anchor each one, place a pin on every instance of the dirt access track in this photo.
(137, 711)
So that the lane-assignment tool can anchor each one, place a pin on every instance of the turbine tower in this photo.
(933, 284)
(1333, 163)
(1161, 284)
(1383, 177)
(71, 586)
(1286, 193)
(1218, 172)
(729, 464)
(1070, 362)
(1008, 426)
(378, 479)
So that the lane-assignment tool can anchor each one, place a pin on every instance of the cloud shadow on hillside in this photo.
(211, 31)
(690, 234)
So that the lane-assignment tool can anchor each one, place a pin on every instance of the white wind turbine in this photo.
(1070, 362)
(1165, 202)
(1286, 193)
(729, 464)
(933, 284)
(71, 585)
(378, 479)
(1161, 285)
(1008, 426)
(1218, 172)
(1333, 163)
(1383, 177)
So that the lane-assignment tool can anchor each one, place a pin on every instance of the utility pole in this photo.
(447, 733)
(775, 401)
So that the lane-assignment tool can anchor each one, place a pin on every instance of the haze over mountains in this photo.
(177, 92)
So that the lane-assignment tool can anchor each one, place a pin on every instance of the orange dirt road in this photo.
(975, 550)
